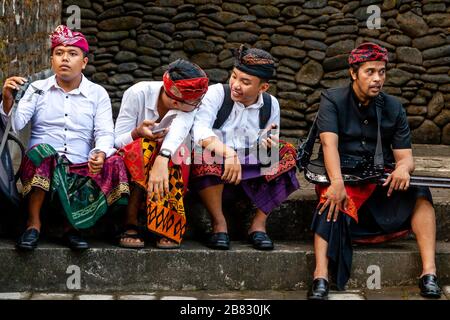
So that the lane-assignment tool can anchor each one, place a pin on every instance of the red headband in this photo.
(186, 89)
(368, 51)
(66, 37)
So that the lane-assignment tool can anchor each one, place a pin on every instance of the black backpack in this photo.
(227, 106)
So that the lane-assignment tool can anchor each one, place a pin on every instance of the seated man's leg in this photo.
(212, 199)
(257, 233)
(320, 287)
(131, 237)
(29, 239)
(423, 223)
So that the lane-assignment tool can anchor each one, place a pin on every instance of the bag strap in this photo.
(227, 107)
(378, 160)
(265, 111)
(305, 150)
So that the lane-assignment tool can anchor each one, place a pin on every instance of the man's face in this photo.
(245, 88)
(68, 62)
(370, 78)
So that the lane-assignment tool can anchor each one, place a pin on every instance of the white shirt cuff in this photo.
(123, 140)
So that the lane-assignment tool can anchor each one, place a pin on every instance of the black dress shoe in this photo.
(219, 240)
(319, 289)
(74, 240)
(28, 240)
(260, 240)
(429, 287)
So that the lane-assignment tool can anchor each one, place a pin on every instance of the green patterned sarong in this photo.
(81, 198)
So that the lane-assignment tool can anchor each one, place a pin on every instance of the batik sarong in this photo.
(266, 189)
(165, 216)
(371, 217)
(85, 197)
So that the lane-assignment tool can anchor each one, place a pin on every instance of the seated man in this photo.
(152, 157)
(228, 124)
(71, 137)
(361, 122)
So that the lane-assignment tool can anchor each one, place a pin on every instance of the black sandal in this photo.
(126, 235)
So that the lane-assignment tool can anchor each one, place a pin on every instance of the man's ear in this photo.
(353, 74)
(85, 62)
(264, 87)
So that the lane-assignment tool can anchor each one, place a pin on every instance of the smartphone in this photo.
(266, 134)
(164, 124)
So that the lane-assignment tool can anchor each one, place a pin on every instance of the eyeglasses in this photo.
(195, 104)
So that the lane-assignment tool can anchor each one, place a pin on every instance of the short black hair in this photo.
(182, 69)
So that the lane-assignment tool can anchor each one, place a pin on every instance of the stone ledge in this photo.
(105, 268)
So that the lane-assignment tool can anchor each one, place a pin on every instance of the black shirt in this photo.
(356, 125)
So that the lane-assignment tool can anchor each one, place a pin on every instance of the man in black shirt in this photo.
(348, 127)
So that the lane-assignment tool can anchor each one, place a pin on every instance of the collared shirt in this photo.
(72, 122)
(356, 125)
(241, 129)
(140, 103)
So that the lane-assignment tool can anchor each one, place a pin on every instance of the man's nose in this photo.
(376, 77)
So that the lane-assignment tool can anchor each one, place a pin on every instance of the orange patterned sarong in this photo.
(166, 216)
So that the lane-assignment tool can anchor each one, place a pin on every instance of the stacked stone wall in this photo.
(133, 41)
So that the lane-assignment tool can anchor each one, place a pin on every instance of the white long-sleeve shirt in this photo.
(72, 122)
(241, 129)
(139, 103)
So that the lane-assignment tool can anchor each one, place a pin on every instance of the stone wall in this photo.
(133, 41)
(25, 26)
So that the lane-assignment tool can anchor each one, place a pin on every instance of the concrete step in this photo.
(389, 293)
(106, 268)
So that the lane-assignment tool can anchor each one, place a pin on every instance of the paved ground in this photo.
(397, 293)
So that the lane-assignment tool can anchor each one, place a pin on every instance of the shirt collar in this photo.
(83, 88)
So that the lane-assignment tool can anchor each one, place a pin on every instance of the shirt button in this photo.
(65, 149)
(366, 121)
(65, 115)
(363, 142)
(67, 97)
(65, 129)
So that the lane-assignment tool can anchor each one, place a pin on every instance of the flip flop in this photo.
(170, 244)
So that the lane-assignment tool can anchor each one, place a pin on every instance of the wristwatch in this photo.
(165, 153)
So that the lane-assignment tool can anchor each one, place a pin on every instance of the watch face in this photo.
(165, 153)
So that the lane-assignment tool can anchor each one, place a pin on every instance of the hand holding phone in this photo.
(266, 133)
(164, 124)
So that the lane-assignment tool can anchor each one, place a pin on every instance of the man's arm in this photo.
(336, 194)
(404, 166)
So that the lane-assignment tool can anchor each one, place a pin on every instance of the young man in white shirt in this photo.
(71, 137)
(150, 156)
(250, 110)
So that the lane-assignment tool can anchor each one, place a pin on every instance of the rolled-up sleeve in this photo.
(127, 119)
(179, 130)
(402, 135)
(207, 113)
(104, 125)
(25, 110)
(327, 119)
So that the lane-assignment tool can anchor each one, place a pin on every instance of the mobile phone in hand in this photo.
(164, 124)
(266, 133)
